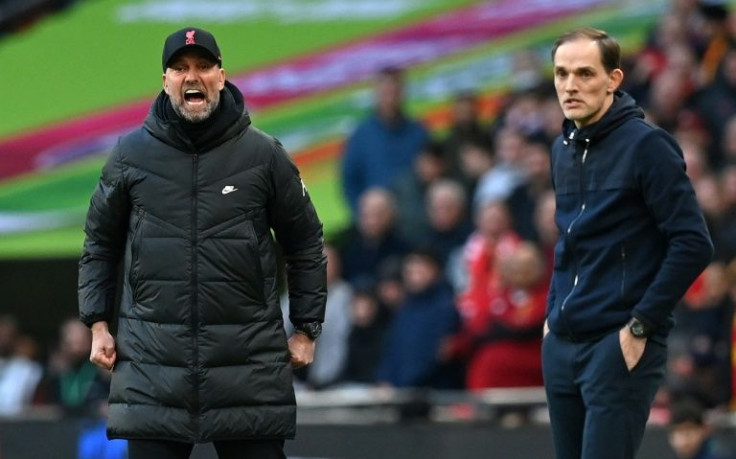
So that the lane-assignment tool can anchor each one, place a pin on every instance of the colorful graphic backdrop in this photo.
(80, 79)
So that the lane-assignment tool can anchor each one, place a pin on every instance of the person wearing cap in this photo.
(186, 205)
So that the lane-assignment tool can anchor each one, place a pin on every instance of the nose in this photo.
(191, 75)
(570, 84)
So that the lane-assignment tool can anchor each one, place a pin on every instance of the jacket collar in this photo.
(232, 119)
(622, 109)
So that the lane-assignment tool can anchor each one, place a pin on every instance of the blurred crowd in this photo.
(441, 279)
(451, 242)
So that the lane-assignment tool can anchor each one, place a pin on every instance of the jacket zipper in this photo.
(194, 306)
(569, 230)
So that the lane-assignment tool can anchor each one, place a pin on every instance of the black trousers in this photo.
(598, 408)
(231, 449)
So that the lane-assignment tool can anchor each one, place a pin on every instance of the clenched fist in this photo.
(103, 346)
(301, 349)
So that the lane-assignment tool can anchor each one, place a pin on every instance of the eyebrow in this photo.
(575, 70)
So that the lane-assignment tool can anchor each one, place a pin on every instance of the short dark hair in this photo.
(434, 149)
(609, 47)
(687, 410)
(425, 253)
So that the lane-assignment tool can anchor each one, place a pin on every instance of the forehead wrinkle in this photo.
(578, 54)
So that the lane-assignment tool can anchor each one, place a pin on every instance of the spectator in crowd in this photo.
(502, 343)
(700, 346)
(493, 239)
(330, 354)
(373, 238)
(716, 104)
(552, 118)
(410, 190)
(728, 142)
(523, 198)
(476, 159)
(385, 144)
(708, 193)
(546, 229)
(716, 31)
(653, 58)
(365, 343)
(411, 354)
(696, 160)
(522, 114)
(465, 128)
(389, 285)
(449, 224)
(73, 383)
(690, 434)
(528, 70)
(508, 170)
(727, 228)
(667, 98)
(19, 375)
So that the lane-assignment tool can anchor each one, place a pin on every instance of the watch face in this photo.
(637, 329)
(312, 330)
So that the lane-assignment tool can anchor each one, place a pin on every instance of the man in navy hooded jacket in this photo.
(632, 240)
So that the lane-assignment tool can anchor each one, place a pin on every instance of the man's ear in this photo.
(614, 80)
(163, 83)
(222, 79)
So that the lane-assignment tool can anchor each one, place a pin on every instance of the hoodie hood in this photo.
(623, 109)
(229, 120)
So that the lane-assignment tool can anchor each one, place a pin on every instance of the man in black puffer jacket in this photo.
(632, 240)
(187, 203)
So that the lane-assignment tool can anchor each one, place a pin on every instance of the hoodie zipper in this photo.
(572, 223)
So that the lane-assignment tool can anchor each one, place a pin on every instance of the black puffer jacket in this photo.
(201, 348)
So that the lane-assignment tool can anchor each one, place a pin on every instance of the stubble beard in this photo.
(195, 117)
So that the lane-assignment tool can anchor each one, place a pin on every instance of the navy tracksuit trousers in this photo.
(598, 408)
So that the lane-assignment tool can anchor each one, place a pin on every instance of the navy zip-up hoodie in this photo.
(632, 236)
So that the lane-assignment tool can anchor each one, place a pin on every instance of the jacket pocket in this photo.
(255, 252)
(135, 242)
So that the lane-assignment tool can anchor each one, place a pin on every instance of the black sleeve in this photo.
(105, 229)
(299, 232)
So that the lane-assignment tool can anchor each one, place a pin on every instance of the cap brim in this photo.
(197, 48)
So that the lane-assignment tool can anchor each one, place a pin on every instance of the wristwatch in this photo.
(311, 330)
(638, 328)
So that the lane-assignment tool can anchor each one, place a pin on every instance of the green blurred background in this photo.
(99, 56)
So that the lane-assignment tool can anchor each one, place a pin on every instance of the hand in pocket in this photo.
(631, 347)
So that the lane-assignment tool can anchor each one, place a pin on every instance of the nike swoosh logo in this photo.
(229, 189)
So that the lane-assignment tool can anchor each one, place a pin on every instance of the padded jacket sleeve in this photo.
(299, 232)
(105, 230)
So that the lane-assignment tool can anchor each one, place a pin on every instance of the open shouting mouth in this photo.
(194, 97)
